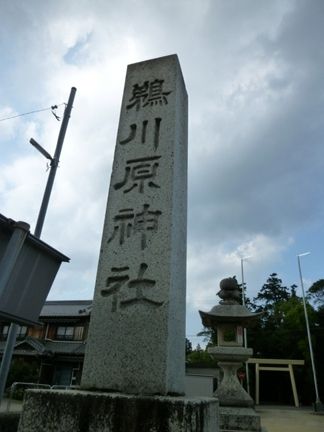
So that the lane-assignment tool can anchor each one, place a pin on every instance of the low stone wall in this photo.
(81, 411)
(9, 422)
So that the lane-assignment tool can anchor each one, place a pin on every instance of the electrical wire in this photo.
(32, 112)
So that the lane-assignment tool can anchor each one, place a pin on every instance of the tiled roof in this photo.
(34, 343)
(66, 308)
(59, 347)
(49, 347)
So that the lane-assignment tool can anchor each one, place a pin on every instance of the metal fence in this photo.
(17, 391)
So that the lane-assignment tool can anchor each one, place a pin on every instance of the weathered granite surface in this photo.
(239, 419)
(137, 328)
(228, 353)
(81, 411)
(230, 392)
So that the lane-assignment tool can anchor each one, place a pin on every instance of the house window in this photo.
(4, 333)
(22, 332)
(65, 333)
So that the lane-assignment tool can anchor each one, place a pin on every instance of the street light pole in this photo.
(318, 404)
(244, 330)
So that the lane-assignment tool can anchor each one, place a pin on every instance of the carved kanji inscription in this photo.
(149, 94)
(138, 173)
(127, 223)
(119, 278)
(142, 133)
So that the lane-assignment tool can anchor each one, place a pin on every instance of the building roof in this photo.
(59, 347)
(66, 308)
(31, 346)
(7, 226)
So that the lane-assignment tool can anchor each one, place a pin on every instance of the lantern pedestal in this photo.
(230, 392)
(239, 420)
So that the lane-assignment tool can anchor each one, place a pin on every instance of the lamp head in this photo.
(303, 254)
(246, 257)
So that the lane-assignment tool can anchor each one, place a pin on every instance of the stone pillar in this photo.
(137, 327)
(135, 353)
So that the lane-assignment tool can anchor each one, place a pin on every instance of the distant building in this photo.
(58, 347)
(57, 344)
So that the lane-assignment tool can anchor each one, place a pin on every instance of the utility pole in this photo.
(54, 164)
(12, 335)
(244, 330)
(318, 406)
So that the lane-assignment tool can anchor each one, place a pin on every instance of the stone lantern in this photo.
(228, 319)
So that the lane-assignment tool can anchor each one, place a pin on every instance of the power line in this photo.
(196, 336)
(52, 108)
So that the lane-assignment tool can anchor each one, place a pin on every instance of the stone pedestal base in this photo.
(230, 392)
(318, 407)
(85, 411)
(239, 420)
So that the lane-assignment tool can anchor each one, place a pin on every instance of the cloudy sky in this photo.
(254, 71)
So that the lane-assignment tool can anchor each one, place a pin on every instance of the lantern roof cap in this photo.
(229, 310)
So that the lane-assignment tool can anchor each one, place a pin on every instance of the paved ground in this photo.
(13, 405)
(289, 419)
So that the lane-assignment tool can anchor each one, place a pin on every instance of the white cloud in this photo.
(7, 128)
(208, 264)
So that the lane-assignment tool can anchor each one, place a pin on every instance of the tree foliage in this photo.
(188, 347)
(200, 358)
(316, 292)
(281, 332)
(22, 371)
(271, 293)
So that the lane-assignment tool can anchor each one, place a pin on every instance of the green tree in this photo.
(316, 292)
(188, 347)
(281, 329)
(200, 358)
(23, 371)
(271, 293)
(292, 331)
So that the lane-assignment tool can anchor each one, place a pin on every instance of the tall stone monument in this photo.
(137, 329)
(134, 368)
